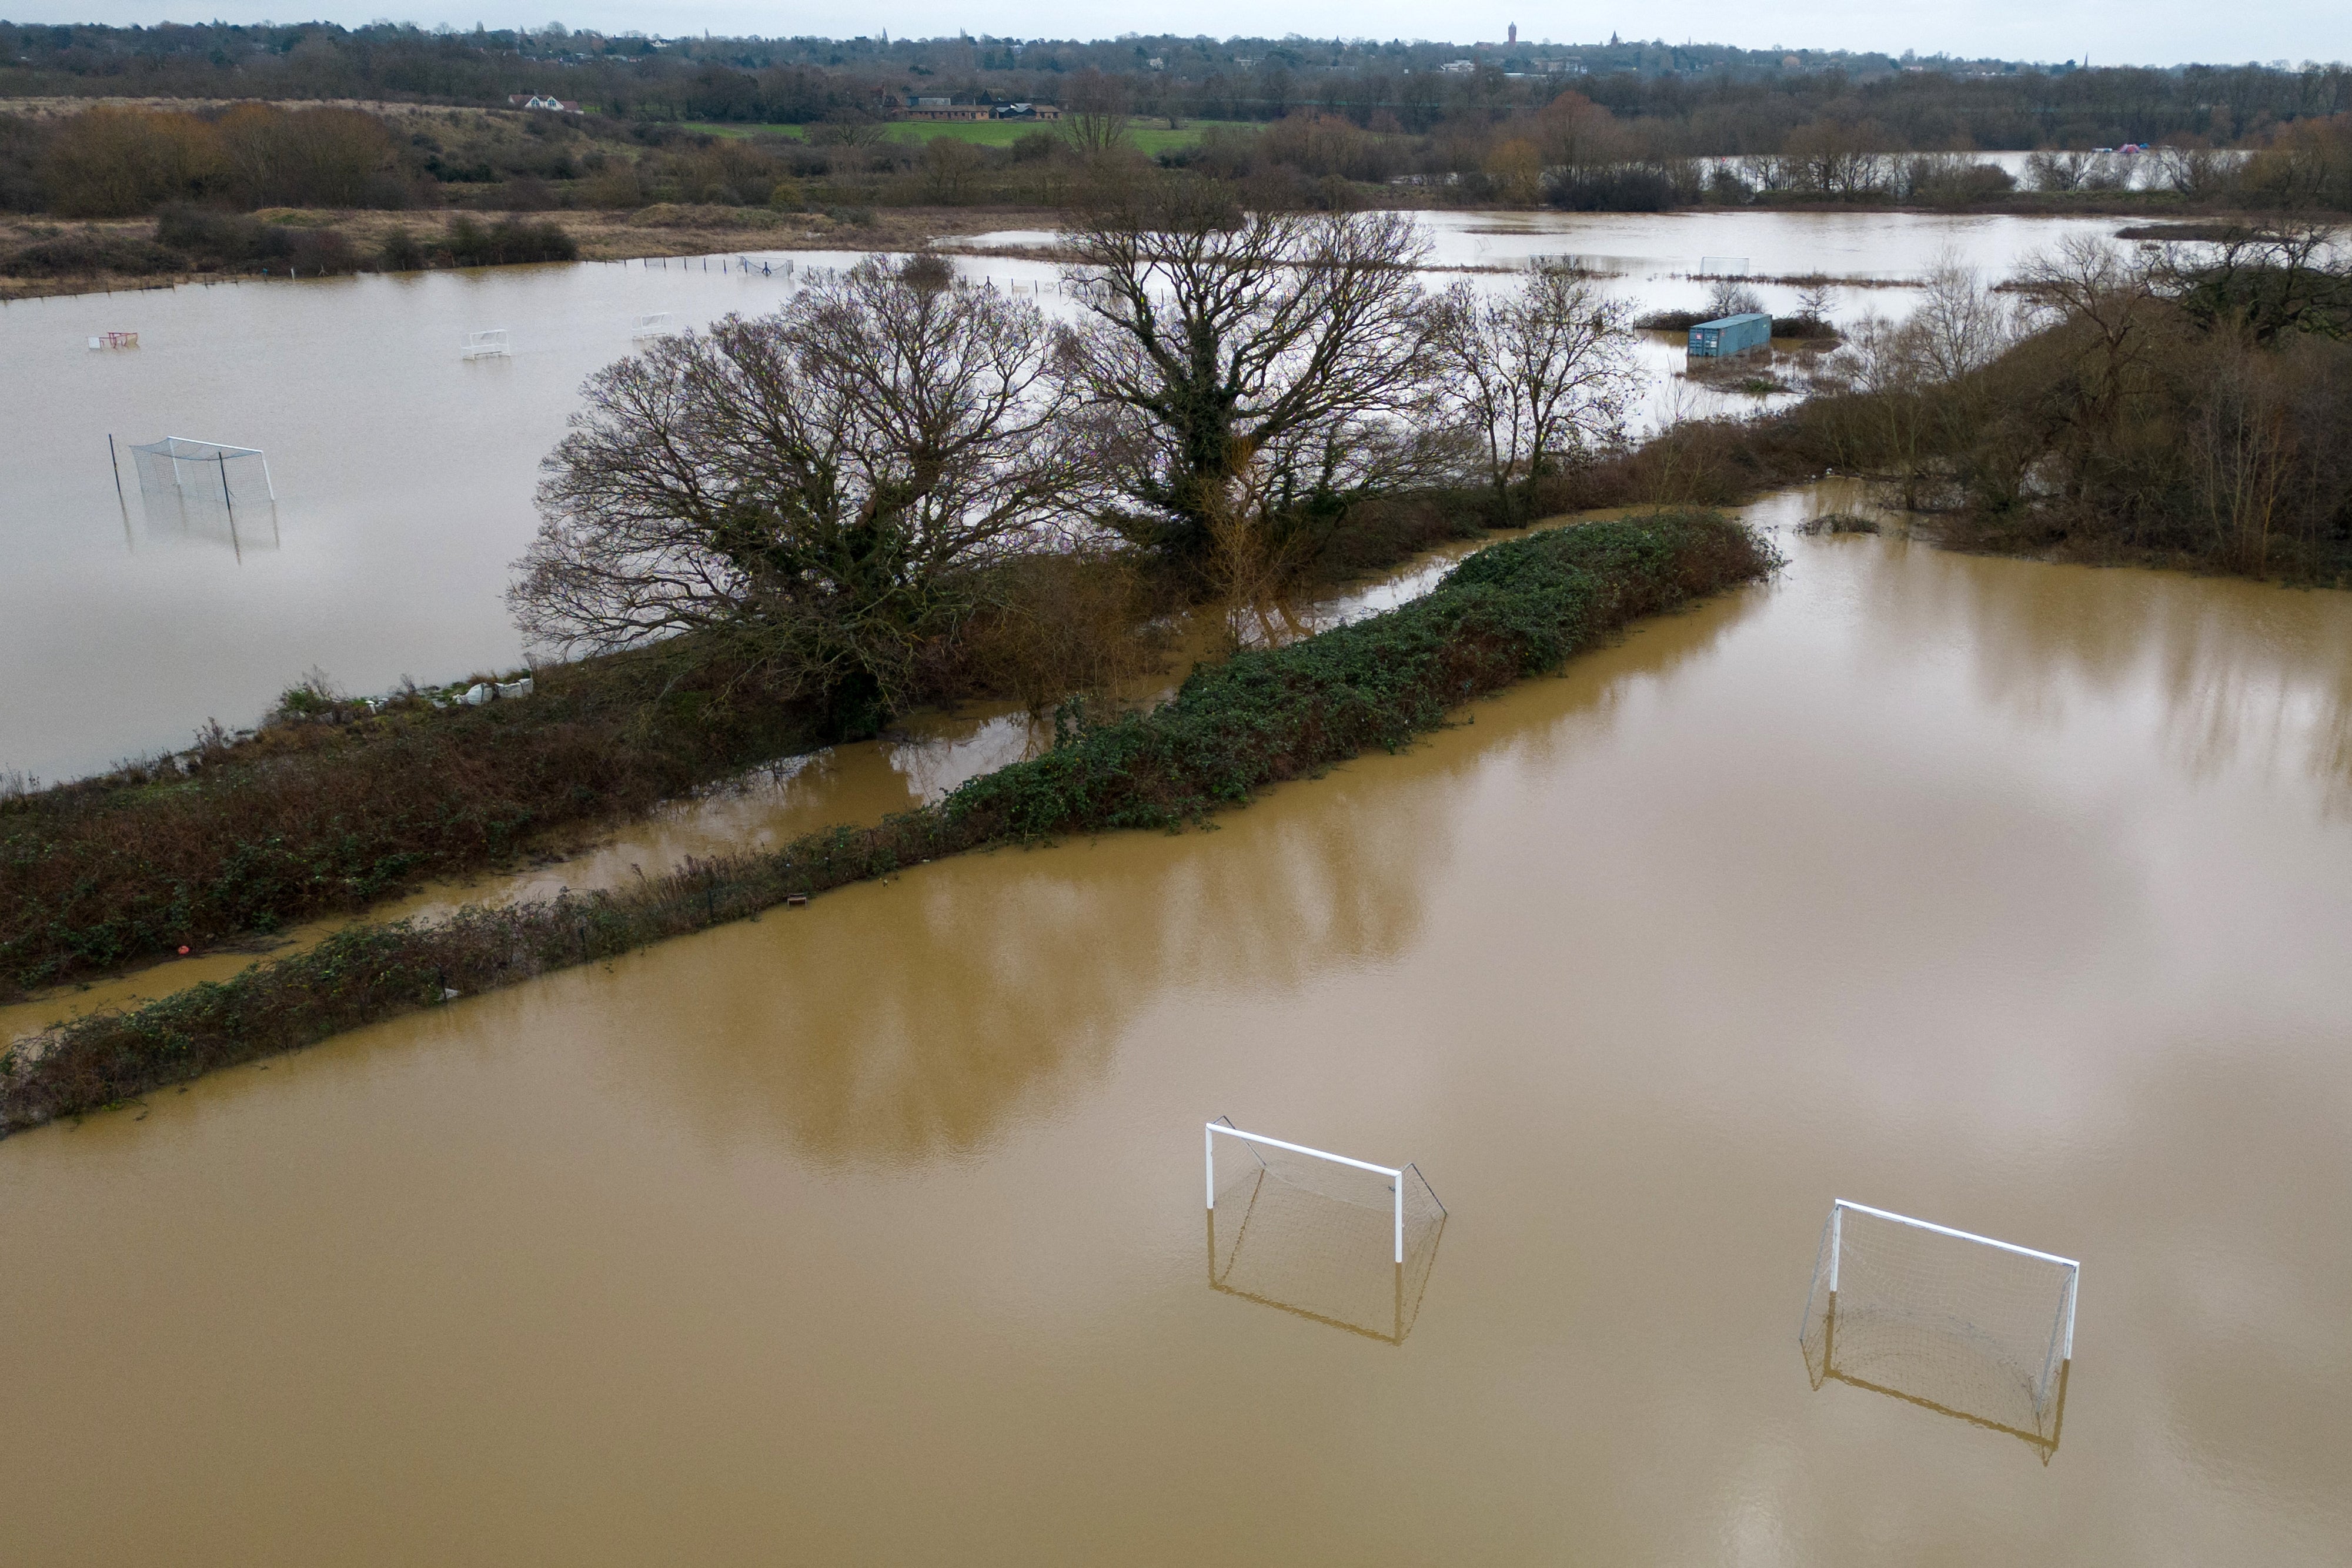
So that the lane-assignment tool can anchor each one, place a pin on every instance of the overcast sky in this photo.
(2151, 32)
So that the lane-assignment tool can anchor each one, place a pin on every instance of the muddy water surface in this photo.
(2010, 895)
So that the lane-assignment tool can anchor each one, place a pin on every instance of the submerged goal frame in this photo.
(1395, 1174)
(2062, 1348)
(217, 452)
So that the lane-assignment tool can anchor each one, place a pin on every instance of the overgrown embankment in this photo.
(334, 806)
(1509, 611)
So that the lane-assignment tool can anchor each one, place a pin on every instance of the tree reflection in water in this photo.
(2244, 675)
(912, 1020)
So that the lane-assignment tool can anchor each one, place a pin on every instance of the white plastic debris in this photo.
(477, 694)
(520, 688)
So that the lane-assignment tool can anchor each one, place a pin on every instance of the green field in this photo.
(1148, 136)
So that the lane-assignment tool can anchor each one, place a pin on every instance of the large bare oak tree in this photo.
(1275, 364)
(813, 487)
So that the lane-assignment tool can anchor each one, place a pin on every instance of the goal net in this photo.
(1963, 1325)
(1340, 1240)
(200, 474)
(489, 345)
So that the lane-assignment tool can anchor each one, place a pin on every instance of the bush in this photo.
(81, 255)
(315, 818)
(236, 239)
(403, 252)
(511, 242)
(1621, 190)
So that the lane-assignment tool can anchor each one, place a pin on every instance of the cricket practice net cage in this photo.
(1966, 1325)
(202, 473)
(1340, 1240)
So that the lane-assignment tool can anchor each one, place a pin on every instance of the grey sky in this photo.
(2155, 31)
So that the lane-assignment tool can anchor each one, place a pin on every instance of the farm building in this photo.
(947, 108)
(1729, 335)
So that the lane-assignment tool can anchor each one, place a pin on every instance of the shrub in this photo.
(1619, 190)
(509, 242)
(79, 255)
(402, 252)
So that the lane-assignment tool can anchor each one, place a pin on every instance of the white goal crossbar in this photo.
(1394, 1174)
(175, 464)
(1837, 1213)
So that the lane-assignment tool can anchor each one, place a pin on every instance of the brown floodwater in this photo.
(2009, 895)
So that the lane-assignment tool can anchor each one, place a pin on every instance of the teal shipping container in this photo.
(1730, 335)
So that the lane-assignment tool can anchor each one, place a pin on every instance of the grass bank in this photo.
(1511, 611)
(334, 805)
(42, 257)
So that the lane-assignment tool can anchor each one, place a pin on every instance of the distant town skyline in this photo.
(2108, 32)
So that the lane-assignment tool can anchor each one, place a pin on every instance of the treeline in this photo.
(797, 78)
(108, 162)
(1706, 99)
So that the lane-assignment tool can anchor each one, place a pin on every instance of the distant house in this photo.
(1029, 111)
(540, 101)
(947, 108)
(1457, 67)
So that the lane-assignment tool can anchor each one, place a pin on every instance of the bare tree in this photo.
(1542, 376)
(812, 487)
(1888, 365)
(2058, 171)
(1729, 297)
(1289, 345)
(1962, 324)
(2282, 277)
(2103, 301)
(2197, 171)
(1095, 115)
(950, 166)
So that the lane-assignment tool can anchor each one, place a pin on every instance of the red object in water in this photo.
(184, 952)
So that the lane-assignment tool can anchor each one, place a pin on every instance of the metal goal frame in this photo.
(1396, 1174)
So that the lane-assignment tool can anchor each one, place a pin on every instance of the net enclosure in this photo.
(1964, 1325)
(202, 473)
(1341, 1241)
(488, 345)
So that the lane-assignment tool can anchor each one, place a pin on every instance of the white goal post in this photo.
(191, 470)
(2074, 1271)
(1965, 1323)
(1396, 1175)
(488, 345)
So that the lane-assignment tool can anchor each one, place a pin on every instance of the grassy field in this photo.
(1149, 137)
